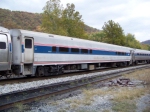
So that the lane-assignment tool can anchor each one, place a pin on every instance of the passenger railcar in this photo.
(35, 53)
(5, 51)
(141, 56)
(41, 53)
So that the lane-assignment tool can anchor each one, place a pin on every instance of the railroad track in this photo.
(9, 99)
(34, 78)
(71, 73)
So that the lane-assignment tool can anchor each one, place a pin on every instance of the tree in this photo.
(114, 33)
(98, 36)
(58, 20)
(51, 18)
(10, 24)
(72, 22)
(131, 41)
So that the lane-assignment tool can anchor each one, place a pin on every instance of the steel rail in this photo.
(9, 99)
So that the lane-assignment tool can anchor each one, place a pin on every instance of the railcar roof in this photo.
(4, 30)
(46, 35)
(142, 51)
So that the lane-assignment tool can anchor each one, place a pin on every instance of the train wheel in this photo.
(8, 76)
(1, 76)
(40, 71)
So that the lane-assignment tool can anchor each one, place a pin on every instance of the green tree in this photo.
(72, 22)
(98, 36)
(114, 33)
(145, 47)
(51, 17)
(132, 42)
(58, 20)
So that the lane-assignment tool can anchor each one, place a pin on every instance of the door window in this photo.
(28, 43)
(2, 45)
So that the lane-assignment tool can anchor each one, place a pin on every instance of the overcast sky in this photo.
(132, 15)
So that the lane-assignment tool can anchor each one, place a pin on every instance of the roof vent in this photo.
(2, 29)
(51, 36)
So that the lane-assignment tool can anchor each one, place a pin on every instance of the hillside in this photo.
(26, 20)
(146, 42)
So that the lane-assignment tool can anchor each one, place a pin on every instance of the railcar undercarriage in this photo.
(60, 69)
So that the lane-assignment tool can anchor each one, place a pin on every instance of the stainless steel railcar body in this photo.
(142, 55)
(33, 53)
(34, 49)
(5, 50)
(23, 53)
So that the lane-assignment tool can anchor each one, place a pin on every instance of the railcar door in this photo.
(4, 65)
(132, 56)
(28, 50)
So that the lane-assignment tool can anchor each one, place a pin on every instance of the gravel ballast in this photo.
(23, 86)
(99, 104)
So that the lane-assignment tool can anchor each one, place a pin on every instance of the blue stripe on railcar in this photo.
(48, 49)
(10, 48)
(101, 52)
(22, 47)
(42, 49)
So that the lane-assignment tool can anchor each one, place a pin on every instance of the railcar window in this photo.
(2, 45)
(85, 51)
(63, 49)
(53, 49)
(28, 43)
(75, 50)
(90, 51)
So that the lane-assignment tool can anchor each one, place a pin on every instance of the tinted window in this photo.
(84, 51)
(2, 45)
(75, 50)
(63, 49)
(53, 49)
(90, 51)
(28, 43)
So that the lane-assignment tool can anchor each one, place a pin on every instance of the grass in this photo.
(143, 75)
(147, 109)
(87, 97)
(105, 111)
(20, 107)
(62, 110)
(77, 102)
(128, 93)
(124, 106)
(124, 98)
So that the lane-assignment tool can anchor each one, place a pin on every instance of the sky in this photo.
(132, 15)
